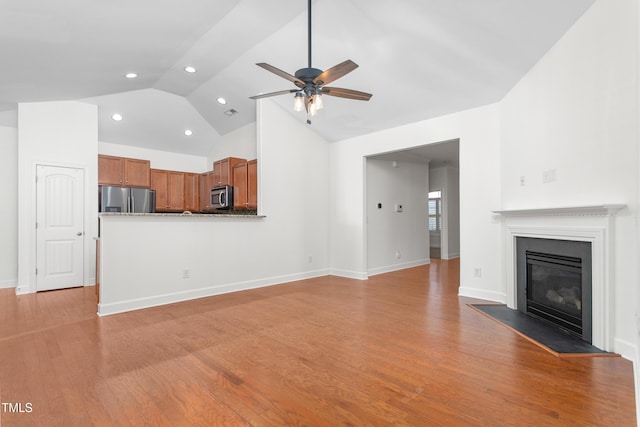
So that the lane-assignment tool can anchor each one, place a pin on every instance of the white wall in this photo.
(143, 258)
(63, 134)
(9, 212)
(239, 143)
(389, 232)
(575, 112)
(453, 212)
(159, 159)
(446, 178)
(478, 131)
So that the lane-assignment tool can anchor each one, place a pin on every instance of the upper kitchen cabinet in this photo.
(245, 185)
(123, 171)
(252, 184)
(192, 192)
(207, 182)
(169, 187)
(223, 170)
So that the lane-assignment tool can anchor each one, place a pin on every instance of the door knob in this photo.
(79, 233)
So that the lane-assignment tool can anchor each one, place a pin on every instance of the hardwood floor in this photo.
(398, 349)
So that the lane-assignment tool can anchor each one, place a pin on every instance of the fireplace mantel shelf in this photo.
(597, 210)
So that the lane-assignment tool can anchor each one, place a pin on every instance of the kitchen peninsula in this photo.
(160, 258)
(181, 244)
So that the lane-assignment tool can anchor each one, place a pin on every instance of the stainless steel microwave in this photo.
(222, 197)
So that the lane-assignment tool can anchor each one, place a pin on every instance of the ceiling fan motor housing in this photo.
(308, 75)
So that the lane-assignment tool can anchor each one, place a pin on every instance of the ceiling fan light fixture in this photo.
(317, 100)
(312, 107)
(298, 102)
(310, 82)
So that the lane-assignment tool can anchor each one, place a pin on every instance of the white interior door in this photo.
(60, 227)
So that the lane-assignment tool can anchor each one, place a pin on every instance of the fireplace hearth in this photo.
(554, 283)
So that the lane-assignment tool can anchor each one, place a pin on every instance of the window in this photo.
(435, 210)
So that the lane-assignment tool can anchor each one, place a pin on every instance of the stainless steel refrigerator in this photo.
(126, 199)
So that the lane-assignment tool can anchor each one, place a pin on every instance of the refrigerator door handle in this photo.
(132, 204)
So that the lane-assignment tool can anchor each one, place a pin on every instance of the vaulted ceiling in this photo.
(419, 58)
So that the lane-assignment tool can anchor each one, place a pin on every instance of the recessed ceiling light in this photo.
(190, 69)
(188, 132)
(221, 100)
(117, 117)
(131, 75)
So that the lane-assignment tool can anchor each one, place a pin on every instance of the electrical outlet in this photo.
(185, 273)
(398, 254)
(522, 181)
(477, 272)
(310, 258)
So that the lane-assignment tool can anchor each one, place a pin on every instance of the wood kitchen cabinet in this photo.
(252, 184)
(192, 192)
(169, 187)
(123, 171)
(245, 179)
(223, 170)
(207, 182)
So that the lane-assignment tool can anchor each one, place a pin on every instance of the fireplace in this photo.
(554, 283)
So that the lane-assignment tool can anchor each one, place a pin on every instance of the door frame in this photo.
(40, 228)
(28, 247)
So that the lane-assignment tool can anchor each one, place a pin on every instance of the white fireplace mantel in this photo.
(590, 223)
(605, 209)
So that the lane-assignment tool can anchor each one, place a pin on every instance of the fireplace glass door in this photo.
(554, 289)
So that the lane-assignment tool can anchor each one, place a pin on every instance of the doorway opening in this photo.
(435, 223)
(397, 184)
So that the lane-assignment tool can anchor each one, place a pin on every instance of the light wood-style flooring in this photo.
(398, 349)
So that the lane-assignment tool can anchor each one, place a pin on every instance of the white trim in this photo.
(625, 349)
(7, 284)
(396, 267)
(174, 297)
(482, 294)
(358, 275)
(597, 210)
(450, 256)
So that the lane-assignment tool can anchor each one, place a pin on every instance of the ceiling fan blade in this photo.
(281, 73)
(346, 93)
(280, 92)
(334, 73)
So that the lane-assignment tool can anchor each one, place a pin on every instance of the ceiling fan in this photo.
(310, 82)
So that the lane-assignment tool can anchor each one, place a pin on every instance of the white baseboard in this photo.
(6, 284)
(625, 349)
(156, 300)
(396, 267)
(482, 294)
(452, 255)
(358, 275)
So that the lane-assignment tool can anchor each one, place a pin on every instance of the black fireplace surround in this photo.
(554, 283)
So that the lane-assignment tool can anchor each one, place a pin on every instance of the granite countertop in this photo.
(226, 214)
